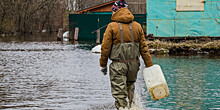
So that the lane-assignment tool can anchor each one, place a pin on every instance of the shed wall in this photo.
(164, 21)
(87, 23)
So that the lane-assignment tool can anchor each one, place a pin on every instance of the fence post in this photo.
(76, 34)
(98, 36)
(59, 35)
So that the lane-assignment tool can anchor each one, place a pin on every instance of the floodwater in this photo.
(42, 73)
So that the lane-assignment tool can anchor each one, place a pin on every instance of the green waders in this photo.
(124, 69)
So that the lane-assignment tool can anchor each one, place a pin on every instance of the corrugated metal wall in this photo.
(164, 21)
(87, 23)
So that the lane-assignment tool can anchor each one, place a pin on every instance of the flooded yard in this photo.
(49, 74)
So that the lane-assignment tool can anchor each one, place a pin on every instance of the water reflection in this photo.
(188, 78)
(44, 37)
(64, 75)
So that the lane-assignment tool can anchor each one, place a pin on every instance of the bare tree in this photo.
(30, 15)
(35, 15)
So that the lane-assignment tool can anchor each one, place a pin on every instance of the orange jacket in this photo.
(112, 36)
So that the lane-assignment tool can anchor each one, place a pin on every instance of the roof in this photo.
(96, 6)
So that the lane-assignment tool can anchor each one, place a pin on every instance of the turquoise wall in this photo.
(164, 21)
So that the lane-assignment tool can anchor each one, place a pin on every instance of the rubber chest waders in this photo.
(125, 52)
(124, 69)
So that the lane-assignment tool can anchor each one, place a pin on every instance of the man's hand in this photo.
(104, 70)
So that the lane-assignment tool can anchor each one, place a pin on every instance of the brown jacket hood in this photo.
(123, 15)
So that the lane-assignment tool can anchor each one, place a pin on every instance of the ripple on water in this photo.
(54, 75)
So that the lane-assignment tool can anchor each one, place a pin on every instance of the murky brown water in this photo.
(61, 75)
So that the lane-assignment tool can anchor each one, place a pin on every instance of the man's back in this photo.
(112, 36)
(126, 32)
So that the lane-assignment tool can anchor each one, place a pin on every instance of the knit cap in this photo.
(119, 4)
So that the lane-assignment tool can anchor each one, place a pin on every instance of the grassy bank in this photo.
(187, 47)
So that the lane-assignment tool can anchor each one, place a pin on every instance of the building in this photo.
(135, 6)
(94, 18)
(100, 8)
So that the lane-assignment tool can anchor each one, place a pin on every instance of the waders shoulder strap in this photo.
(131, 32)
(121, 32)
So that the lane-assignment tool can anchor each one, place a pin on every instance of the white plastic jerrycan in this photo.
(156, 83)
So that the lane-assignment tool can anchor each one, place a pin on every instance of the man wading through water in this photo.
(123, 43)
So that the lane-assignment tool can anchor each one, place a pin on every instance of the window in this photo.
(190, 5)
